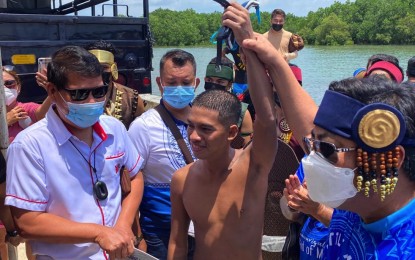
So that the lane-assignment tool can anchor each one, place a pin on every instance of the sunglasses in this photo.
(82, 94)
(10, 83)
(324, 149)
(8, 68)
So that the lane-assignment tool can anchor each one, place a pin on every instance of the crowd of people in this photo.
(90, 175)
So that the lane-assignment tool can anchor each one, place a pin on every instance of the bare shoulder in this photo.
(179, 176)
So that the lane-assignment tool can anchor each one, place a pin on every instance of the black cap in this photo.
(411, 67)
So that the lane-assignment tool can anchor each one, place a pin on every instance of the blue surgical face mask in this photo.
(84, 115)
(178, 96)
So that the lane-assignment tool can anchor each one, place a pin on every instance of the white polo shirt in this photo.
(46, 173)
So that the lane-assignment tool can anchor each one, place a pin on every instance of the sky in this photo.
(296, 7)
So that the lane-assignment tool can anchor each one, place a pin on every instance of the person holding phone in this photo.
(20, 115)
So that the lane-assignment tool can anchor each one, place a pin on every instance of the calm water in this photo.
(320, 65)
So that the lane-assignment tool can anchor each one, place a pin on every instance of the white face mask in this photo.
(328, 184)
(11, 95)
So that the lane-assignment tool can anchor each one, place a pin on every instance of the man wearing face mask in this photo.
(223, 80)
(160, 150)
(123, 103)
(279, 37)
(63, 174)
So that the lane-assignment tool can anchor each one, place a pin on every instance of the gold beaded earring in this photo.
(382, 167)
(359, 178)
(389, 160)
(366, 171)
(373, 174)
(395, 162)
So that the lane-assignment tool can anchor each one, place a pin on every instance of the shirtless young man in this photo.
(224, 192)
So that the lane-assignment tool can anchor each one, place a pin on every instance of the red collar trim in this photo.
(100, 131)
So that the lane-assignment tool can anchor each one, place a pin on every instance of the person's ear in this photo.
(197, 83)
(51, 90)
(401, 156)
(233, 132)
(158, 80)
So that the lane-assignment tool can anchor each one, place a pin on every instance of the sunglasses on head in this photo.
(324, 149)
(10, 83)
(82, 94)
(8, 68)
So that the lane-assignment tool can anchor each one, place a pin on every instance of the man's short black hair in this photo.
(278, 12)
(102, 45)
(411, 67)
(227, 104)
(72, 59)
(179, 58)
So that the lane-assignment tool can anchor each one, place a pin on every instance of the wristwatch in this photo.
(138, 239)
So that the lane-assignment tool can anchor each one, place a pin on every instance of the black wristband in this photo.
(13, 233)
(138, 239)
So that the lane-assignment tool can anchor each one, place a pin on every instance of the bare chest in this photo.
(230, 201)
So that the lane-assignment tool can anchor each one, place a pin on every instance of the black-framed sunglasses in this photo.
(324, 149)
(82, 94)
(10, 83)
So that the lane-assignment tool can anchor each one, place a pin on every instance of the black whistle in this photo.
(100, 190)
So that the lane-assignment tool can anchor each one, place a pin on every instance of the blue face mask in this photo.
(84, 115)
(178, 96)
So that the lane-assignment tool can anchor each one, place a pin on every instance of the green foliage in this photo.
(333, 31)
(359, 22)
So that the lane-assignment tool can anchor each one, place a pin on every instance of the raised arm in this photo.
(264, 145)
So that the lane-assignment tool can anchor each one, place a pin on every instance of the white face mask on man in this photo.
(328, 184)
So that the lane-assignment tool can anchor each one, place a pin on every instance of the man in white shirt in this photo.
(63, 173)
(161, 153)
